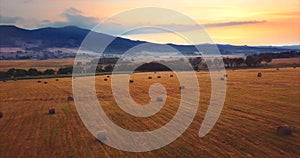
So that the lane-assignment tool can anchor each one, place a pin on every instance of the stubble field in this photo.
(253, 109)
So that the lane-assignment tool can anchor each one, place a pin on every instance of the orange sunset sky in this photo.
(238, 22)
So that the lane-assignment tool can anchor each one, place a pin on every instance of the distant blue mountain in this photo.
(72, 37)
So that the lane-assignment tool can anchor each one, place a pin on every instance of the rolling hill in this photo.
(72, 37)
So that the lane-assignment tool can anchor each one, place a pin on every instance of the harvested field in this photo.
(253, 110)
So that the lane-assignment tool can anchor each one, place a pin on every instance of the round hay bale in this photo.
(277, 69)
(158, 76)
(131, 81)
(259, 74)
(225, 75)
(70, 98)
(105, 79)
(3, 80)
(56, 79)
(149, 77)
(1, 114)
(51, 110)
(181, 87)
(45, 82)
(159, 99)
(39, 81)
(101, 136)
(171, 75)
(108, 76)
(284, 130)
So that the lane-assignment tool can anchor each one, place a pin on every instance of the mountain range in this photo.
(72, 37)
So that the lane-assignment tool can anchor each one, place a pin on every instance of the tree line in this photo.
(14, 73)
(197, 63)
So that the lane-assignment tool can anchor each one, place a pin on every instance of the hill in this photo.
(72, 37)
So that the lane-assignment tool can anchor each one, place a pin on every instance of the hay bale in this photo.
(158, 76)
(3, 80)
(277, 69)
(284, 130)
(101, 136)
(131, 81)
(222, 78)
(1, 114)
(225, 75)
(105, 79)
(259, 74)
(171, 75)
(45, 82)
(159, 99)
(51, 110)
(181, 87)
(149, 77)
(39, 81)
(56, 79)
(70, 98)
(108, 76)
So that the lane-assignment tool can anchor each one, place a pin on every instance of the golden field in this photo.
(253, 109)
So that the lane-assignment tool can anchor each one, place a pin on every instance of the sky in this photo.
(238, 22)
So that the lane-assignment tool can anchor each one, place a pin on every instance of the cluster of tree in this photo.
(249, 61)
(287, 54)
(256, 60)
(14, 73)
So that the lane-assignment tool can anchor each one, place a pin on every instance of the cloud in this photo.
(74, 17)
(117, 29)
(234, 23)
(9, 20)
(72, 11)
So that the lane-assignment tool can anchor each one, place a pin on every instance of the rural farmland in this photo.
(253, 110)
